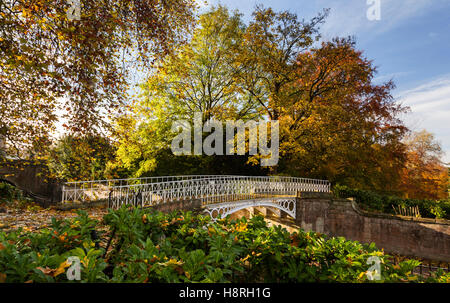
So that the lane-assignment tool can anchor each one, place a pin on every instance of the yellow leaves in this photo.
(85, 261)
(241, 227)
(144, 218)
(26, 13)
(256, 254)
(174, 262)
(88, 245)
(62, 268)
(55, 272)
(187, 274)
(245, 259)
(380, 253)
(177, 265)
(361, 275)
(2, 277)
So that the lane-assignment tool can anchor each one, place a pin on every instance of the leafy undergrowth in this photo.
(135, 245)
(373, 201)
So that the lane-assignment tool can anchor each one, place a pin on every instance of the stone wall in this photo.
(32, 179)
(186, 205)
(419, 237)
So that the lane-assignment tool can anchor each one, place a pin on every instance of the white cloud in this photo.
(350, 17)
(387, 77)
(430, 109)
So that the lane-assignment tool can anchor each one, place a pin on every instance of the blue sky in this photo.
(409, 44)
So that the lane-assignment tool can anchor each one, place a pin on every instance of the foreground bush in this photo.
(144, 246)
(383, 203)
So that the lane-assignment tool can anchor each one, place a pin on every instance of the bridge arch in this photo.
(287, 205)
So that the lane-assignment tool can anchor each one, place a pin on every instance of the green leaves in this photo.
(373, 201)
(152, 246)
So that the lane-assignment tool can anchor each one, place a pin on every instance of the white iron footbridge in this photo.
(218, 194)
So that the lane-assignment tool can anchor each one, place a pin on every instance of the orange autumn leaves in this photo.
(424, 176)
(46, 271)
(55, 272)
(44, 56)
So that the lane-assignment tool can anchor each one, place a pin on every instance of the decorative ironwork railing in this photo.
(211, 190)
(81, 191)
(207, 188)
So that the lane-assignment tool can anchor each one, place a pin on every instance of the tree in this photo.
(198, 77)
(80, 158)
(44, 57)
(266, 62)
(424, 176)
(336, 123)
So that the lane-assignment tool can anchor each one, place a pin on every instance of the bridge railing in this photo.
(213, 189)
(81, 191)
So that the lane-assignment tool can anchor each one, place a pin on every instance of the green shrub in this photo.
(373, 201)
(9, 193)
(6, 192)
(12, 196)
(151, 246)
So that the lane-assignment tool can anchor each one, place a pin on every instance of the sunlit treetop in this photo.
(45, 55)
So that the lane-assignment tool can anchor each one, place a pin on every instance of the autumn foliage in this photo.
(51, 66)
(424, 175)
(336, 123)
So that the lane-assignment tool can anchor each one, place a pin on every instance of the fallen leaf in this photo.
(46, 271)
(62, 268)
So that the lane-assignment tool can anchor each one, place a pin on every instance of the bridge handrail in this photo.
(209, 191)
(71, 190)
(218, 178)
(206, 186)
(68, 183)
